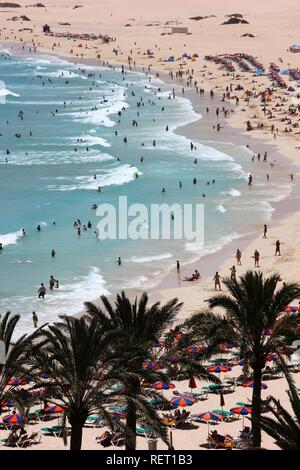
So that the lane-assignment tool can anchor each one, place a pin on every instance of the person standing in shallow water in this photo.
(277, 249)
(42, 291)
(238, 256)
(265, 231)
(233, 273)
(217, 279)
(256, 259)
(178, 266)
(34, 319)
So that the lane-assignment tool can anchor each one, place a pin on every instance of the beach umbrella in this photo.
(251, 385)
(242, 410)
(162, 386)
(182, 401)
(45, 375)
(13, 419)
(241, 362)
(218, 368)
(16, 382)
(268, 332)
(55, 409)
(271, 357)
(222, 401)
(208, 417)
(194, 350)
(38, 392)
(150, 365)
(195, 55)
(7, 404)
(291, 309)
(192, 383)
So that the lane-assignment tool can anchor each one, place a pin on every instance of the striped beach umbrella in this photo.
(242, 410)
(38, 392)
(162, 386)
(208, 417)
(55, 409)
(271, 357)
(291, 309)
(218, 368)
(14, 382)
(182, 401)
(251, 385)
(7, 404)
(150, 365)
(13, 419)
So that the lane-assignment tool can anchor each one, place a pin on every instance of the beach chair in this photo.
(55, 431)
(118, 441)
(144, 432)
(94, 421)
(214, 443)
(26, 441)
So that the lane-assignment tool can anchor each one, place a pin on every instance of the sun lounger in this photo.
(216, 444)
(94, 421)
(55, 431)
(26, 441)
(145, 432)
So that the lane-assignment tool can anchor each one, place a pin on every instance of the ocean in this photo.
(58, 124)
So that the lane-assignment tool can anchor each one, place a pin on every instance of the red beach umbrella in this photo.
(192, 383)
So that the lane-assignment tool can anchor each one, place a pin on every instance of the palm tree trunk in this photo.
(130, 430)
(76, 433)
(256, 406)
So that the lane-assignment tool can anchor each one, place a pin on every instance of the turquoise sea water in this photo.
(45, 180)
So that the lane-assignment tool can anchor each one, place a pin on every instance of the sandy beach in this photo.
(136, 27)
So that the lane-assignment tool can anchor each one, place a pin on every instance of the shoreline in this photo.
(230, 134)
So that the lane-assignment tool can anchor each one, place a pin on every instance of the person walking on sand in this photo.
(233, 273)
(256, 259)
(238, 256)
(277, 249)
(34, 319)
(42, 291)
(265, 231)
(217, 279)
(178, 266)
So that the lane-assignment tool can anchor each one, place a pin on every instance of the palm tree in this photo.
(73, 354)
(140, 326)
(252, 322)
(285, 428)
(16, 352)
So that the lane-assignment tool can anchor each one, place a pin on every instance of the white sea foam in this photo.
(92, 140)
(110, 177)
(149, 259)
(11, 238)
(61, 73)
(221, 208)
(212, 247)
(57, 157)
(114, 103)
(69, 298)
(6, 92)
(233, 192)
